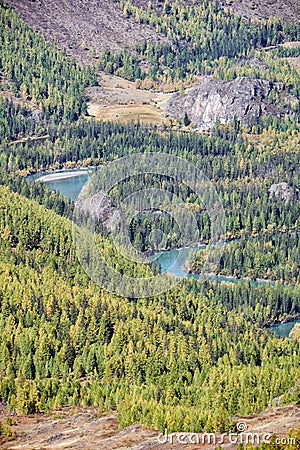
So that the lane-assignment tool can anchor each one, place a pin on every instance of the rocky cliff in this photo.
(244, 98)
(98, 206)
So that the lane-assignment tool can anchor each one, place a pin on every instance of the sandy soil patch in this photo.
(119, 100)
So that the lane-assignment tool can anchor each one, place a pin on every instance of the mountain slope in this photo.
(289, 10)
(83, 27)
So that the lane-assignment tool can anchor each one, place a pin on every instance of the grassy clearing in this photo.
(119, 100)
(128, 113)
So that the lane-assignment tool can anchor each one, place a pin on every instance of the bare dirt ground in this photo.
(85, 430)
(292, 44)
(289, 10)
(147, 114)
(119, 100)
(84, 28)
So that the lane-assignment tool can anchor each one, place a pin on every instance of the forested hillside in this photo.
(66, 341)
(83, 29)
(198, 37)
(42, 74)
(284, 9)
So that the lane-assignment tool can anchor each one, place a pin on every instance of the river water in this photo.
(173, 261)
(71, 182)
(68, 182)
(283, 329)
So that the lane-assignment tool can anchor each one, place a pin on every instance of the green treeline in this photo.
(241, 172)
(287, 52)
(13, 120)
(40, 192)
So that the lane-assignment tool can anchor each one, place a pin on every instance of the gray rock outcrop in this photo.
(98, 206)
(283, 191)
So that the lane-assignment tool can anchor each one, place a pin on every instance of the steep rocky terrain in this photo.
(99, 207)
(244, 98)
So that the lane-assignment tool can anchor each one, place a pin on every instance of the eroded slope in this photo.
(83, 28)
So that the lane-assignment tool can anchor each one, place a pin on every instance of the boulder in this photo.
(283, 191)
